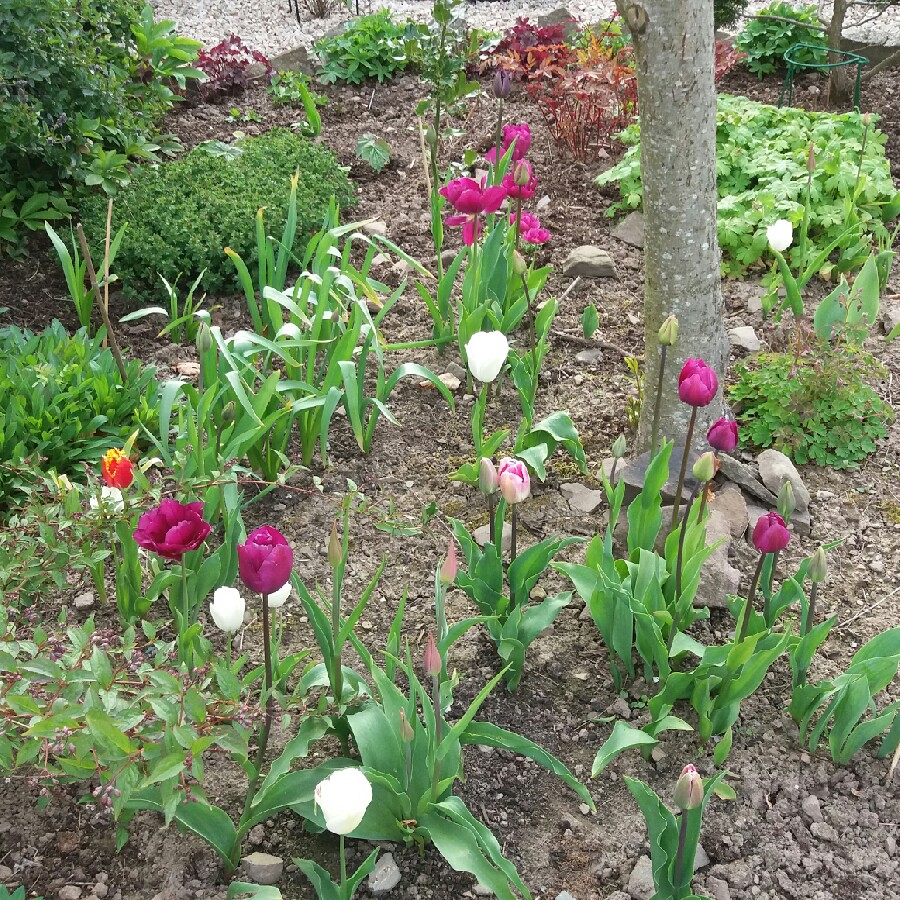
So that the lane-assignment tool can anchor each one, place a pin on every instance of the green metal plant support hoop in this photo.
(794, 65)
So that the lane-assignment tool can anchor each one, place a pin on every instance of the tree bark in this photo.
(674, 61)
(841, 79)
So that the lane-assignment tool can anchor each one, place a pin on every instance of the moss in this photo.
(890, 509)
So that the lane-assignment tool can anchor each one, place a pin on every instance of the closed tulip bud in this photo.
(619, 447)
(786, 502)
(432, 658)
(486, 353)
(689, 789)
(706, 467)
(522, 173)
(430, 136)
(668, 332)
(818, 566)
(697, 383)
(406, 731)
(448, 569)
(228, 413)
(723, 435)
(867, 119)
(811, 158)
(502, 84)
(227, 609)
(488, 480)
(204, 339)
(770, 534)
(520, 267)
(335, 550)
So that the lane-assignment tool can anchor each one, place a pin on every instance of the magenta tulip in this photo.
(265, 560)
(723, 435)
(521, 183)
(530, 228)
(471, 199)
(515, 482)
(521, 134)
(697, 383)
(770, 535)
(172, 529)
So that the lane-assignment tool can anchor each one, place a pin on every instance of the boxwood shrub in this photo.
(182, 214)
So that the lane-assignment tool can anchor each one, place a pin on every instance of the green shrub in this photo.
(183, 214)
(761, 158)
(727, 12)
(83, 84)
(816, 408)
(369, 47)
(765, 41)
(62, 400)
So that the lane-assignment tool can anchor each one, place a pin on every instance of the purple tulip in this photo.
(770, 535)
(172, 529)
(723, 435)
(521, 134)
(265, 560)
(530, 228)
(471, 199)
(697, 383)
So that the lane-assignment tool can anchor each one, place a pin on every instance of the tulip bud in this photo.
(818, 566)
(520, 267)
(619, 447)
(811, 158)
(488, 480)
(668, 332)
(689, 789)
(432, 658)
(867, 119)
(335, 550)
(204, 339)
(406, 732)
(786, 502)
(228, 413)
(430, 136)
(706, 467)
(521, 173)
(448, 569)
(502, 84)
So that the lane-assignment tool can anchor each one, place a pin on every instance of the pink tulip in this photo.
(172, 529)
(515, 482)
(265, 560)
(432, 658)
(770, 534)
(530, 228)
(521, 183)
(697, 383)
(448, 568)
(723, 435)
(689, 789)
(472, 199)
(521, 134)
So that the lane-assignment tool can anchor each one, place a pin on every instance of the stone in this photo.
(582, 498)
(718, 578)
(100, 890)
(385, 876)
(564, 895)
(730, 503)
(561, 16)
(482, 535)
(450, 381)
(380, 259)
(744, 338)
(401, 268)
(84, 601)
(745, 476)
(188, 369)
(701, 858)
(6, 875)
(374, 227)
(296, 60)
(631, 229)
(775, 469)
(609, 464)
(589, 357)
(824, 831)
(717, 888)
(457, 370)
(589, 262)
(640, 882)
(633, 475)
(890, 316)
(754, 513)
(811, 808)
(263, 868)
(69, 892)
(482, 891)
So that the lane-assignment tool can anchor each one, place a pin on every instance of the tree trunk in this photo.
(842, 79)
(674, 60)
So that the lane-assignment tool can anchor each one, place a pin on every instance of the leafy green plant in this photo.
(816, 407)
(761, 169)
(374, 150)
(292, 89)
(182, 214)
(727, 12)
(17, 894)
(844, 711)
(64, 401)
(766, 40)
(371, 46)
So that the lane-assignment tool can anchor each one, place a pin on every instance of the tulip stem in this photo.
(498, 140)
(654, 436)
(684, 459)
(185, 653)
(438, 734)
(811, 613)
(679, 855)
(519, 219)
(673, 628)
(745, 618)
(512, 543)
(343, 863)
(703, 497)
(490, 506)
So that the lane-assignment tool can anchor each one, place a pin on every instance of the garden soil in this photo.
(800, 828)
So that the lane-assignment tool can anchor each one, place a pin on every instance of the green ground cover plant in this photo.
(766, 40)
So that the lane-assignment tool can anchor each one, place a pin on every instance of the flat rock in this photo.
(582, 498)
(775, 469)
(745, 476)
(890, 316)
(263, 868)
(374, 227)
(640, 882)
(634, 473)
(811, 808)
(564, 895)
(385, 876)
(69, 892)
(717, 888)
(84, 601)
(6, 875)
(730, 503)
(754, 513)
(561, 16)
(296, 60)
(718, 578)
(701, 858)
(589, 357)
(589, 262)
(744, 338)
(631, 229)
(482, 536)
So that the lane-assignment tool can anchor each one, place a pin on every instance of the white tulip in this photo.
(227, 609)
(110, 497)
(780, 235)
(486, 353)
(277, 598)
(344, 796)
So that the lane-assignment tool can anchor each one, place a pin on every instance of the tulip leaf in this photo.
(623, 737)
(257, 891)
(326, 889)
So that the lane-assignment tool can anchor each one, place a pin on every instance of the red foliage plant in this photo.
(727, 57)
(531, 52)
(227, 67)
